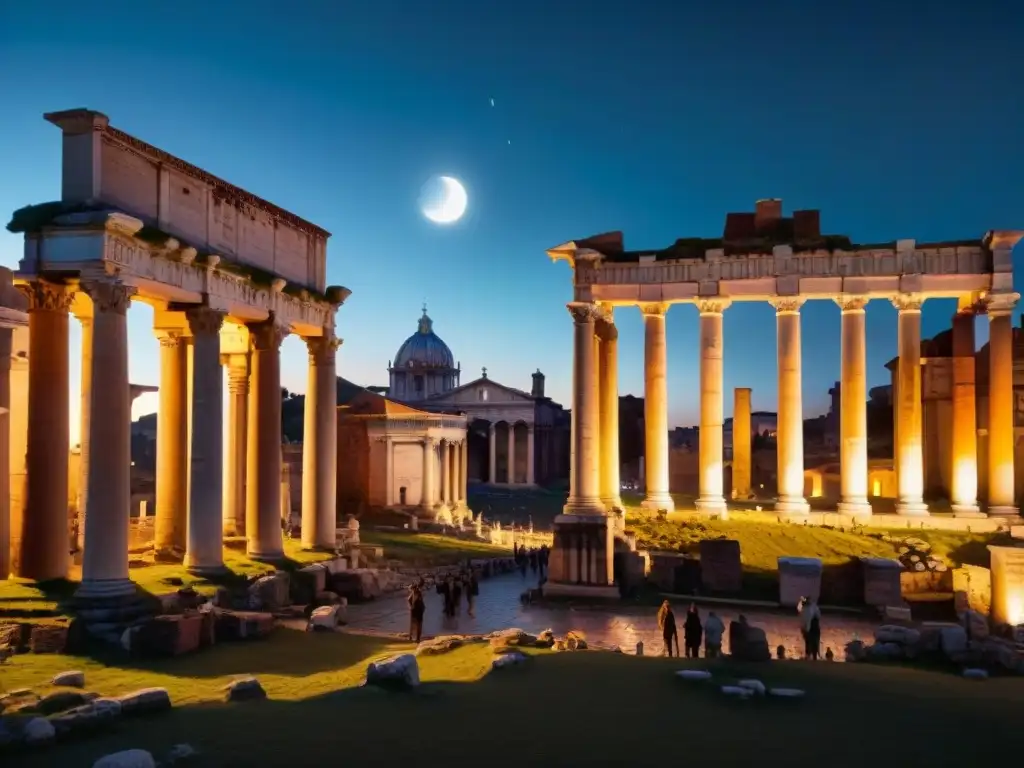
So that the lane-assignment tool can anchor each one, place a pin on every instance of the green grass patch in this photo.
(462, 714)
(429, 549)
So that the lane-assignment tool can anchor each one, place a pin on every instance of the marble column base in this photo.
(592, 506)
(968, 511)
(792, 506)
(582, 591)
(206, 570)
(1001, 511)
(105, 589)
(266, 557)
(613, 504)
(855, 507)
(711, 505)
(655, 502)
(912, 509)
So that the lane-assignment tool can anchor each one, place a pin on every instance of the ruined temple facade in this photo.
(785, 261)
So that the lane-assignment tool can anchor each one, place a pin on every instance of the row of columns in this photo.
(452, 458)
(191, 511)
(594, 485)
(492, 446)
(592, 435)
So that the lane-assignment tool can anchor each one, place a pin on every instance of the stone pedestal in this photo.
(799, 577)
(108, 506)
(882, 581)
(656, 410)
(741, 443)
(853, 417)
(790, 441)
(582, 558)
(1007, 585)
(711, 464)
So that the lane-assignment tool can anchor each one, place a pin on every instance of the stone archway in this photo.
(479, 445)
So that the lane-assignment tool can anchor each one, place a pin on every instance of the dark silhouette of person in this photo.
(472, 591)
(456, 595)
(416, 610)
(667, 625)
(444, 589)
(533, 560)
(693, 632)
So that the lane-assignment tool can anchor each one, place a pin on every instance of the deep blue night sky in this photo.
(896, 119)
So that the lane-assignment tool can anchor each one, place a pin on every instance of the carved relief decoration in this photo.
(712, 306)
(203, 321)
(322, 349)
(908, 302)
(109, 295)
(654, 308)
(45, 296)
(268, 335)
(1001, 303)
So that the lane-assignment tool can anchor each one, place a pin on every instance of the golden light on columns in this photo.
(1001, 480)
(909, 449)
(711, 500)
(963, 488)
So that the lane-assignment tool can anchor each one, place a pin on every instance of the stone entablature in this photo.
(939, 270)
(104, 243)
(105, 166)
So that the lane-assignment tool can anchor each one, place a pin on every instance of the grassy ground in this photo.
(544, 712)
(429, 549)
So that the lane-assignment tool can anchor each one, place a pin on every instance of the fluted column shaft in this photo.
(790, 440)
(1001, 475)
(530, 458)
(741, 443)
(712, 417)
(452, 473)
(511, 462)
(263, 473)
(963, 485)
(583, 491)
(910, 467)
(656, 409)
(108, 505)
(234, 470)
(204, 544)
(426, 495)
(172, 429)
(492, 448)
(320, 446)
(444, 473)
(43, 547)
(853, 410)
(85, 321)
(608, 392)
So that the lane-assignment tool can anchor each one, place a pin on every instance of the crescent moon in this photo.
(452, 205)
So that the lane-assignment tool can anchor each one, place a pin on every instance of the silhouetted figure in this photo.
(693, 631)
(667, 625)
(810, 627)
(456, 595)
(472, 591)
(543, 560)
(713, 631)
(416, 610)
(533, 560)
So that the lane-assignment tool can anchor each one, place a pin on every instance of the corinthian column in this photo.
(85, 320)
(963, 486)
(790, 440)
(426, 495)
(853, 409)
(204, 550)
(910, 462)
(711, 499)
(608, 394)
(1001, 474)
(43, 547)
(108, 506)
(234, 471)
(320, 446)
(656, 409)
(583, 491)
(263, 472)
(172, 434)
(445, 485)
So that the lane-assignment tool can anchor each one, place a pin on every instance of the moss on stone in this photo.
(32, 218)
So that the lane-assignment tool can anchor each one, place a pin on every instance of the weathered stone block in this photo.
(144, 701)
(170, 635)
(799, 577)
(397, 672)
(720, 567)
(882, 581)
(271, 593)
(48, 638)
(243, 625)
(244, 689)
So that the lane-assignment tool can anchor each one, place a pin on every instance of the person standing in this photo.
(713, 631)
(417, 607)
(810, 627)
(667, 625)
(692, 632)
(472, 590)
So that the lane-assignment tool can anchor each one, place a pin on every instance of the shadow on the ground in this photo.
(600, 709)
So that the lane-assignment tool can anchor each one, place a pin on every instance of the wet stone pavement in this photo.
(499, 607)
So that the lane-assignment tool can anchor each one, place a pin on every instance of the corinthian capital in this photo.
(606, 331)
(108, 295)
(582, 312)
(654, 308)
(713, 306)
(848, 303)
(908, 302)
(322, 349)
(267, 335)
(203, 321)
(787, 305)
(45, 296)
(1001, 303)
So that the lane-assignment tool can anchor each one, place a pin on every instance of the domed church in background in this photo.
(515, 437)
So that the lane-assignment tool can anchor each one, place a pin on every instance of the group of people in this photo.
(453, 588)
(694, 631)
(534, 558)
(712, 629)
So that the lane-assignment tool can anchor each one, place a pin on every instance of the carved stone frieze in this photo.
(44, 296)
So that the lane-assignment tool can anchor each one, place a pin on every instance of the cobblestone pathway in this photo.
(498, 607)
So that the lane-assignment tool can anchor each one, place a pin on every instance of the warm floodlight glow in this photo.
(444, 200)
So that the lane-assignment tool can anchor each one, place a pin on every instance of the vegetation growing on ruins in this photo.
(429, 549)
(314, 714)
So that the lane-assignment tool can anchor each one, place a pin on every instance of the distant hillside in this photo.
(292, 410)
